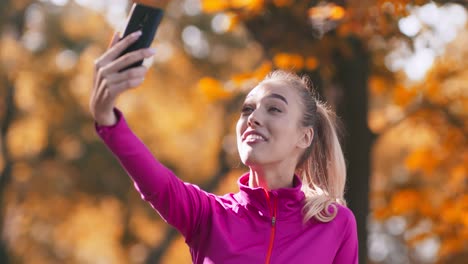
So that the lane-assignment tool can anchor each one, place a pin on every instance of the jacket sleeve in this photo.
(348, 251)
(180, 204)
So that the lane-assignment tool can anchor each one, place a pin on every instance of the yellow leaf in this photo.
(458, 174)
(239, 79)
(377, 85)
(464, 218)
(405, 201)
(450, 214)
(426, 209)
(311, 63)
(337, 12)
(263, 70)
(289, 61)
(329, 11)
(249, 5)
(257, 75)
(211, 6)
(403, 95)
(424, 160)
(213, 89)
(381, 213)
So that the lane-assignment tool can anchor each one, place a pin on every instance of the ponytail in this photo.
(323, 171)
(322, 166)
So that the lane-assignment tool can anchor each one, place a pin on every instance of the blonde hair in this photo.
(322, 165)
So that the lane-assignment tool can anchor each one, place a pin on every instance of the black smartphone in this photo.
(146, 19)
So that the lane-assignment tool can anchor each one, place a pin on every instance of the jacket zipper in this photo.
(273, 226)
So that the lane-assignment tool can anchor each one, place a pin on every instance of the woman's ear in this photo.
(307, 137)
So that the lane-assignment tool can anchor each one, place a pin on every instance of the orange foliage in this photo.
(377, 85)
(263, 70)
(337, 13)
(289, 61)
(282, 3)
(210, 6)
(381, 213)
(91, 228)
(311, 63)
(246, 80)
(425, 160)
(239, 79)
(77, 234)
(450, 246)
(27, 137)
(213, 89)
(458, 175)
(233, 21)
(403, 95)
(405, 201)
(250, 6)
(329, 11)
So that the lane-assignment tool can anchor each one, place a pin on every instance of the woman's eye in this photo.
(274, 109)
(247, 109)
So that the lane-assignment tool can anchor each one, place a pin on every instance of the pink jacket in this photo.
(251, 226)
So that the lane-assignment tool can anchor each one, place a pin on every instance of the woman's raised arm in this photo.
(182, 205)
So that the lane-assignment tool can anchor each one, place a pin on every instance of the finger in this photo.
(122, 86)
(133, 73)
(115, 39)
(115, 66)
(127, 60)
(100, 61)
(117, 49)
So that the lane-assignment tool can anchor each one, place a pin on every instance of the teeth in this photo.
(252, 137)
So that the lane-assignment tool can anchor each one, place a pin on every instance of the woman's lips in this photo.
(252, 136)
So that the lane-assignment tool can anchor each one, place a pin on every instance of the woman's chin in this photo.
(251, 160)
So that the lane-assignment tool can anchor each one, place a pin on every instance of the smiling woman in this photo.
(283, 113)
(290, 206)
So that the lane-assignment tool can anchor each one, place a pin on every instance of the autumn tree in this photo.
(64, 198)
(342, 46)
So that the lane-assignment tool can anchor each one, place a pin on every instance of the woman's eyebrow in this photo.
(277, 96)
(273, 95)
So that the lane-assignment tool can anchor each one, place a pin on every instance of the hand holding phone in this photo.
(146, 19)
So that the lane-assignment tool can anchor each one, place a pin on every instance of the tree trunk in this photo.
(352, 107)
(14, 20)
(5, 174)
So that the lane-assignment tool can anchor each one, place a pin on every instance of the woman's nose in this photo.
(253, 119)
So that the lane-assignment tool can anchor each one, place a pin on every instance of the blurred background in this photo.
(394, 70)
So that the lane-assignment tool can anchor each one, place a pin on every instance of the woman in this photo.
(290, 206)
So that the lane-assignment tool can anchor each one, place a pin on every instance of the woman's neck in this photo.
(271, 177)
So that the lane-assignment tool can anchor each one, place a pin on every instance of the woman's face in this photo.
(268, 130)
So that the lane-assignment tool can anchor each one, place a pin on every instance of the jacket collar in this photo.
(289, 201)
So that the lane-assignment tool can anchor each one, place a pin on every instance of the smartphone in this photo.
(146, 19)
